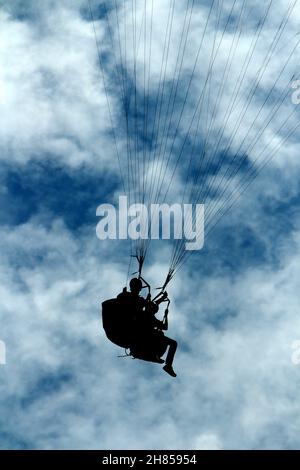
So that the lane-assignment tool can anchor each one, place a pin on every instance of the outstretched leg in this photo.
(170, 356)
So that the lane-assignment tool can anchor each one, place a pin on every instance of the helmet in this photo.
(135, 284)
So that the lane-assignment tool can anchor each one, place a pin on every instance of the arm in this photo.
(161, 297)
(165, 320)
(161, 325)
(148, 287)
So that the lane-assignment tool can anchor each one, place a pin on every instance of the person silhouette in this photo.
(119, 315)
(153, 327)
(132, 300)
(146, 330)
(150, 334)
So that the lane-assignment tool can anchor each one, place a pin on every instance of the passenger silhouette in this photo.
(148, 330)
(153, 328)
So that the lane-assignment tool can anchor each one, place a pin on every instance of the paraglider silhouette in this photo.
(129, 321)
(189, 104)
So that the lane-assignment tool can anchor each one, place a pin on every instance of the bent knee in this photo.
(173, 342)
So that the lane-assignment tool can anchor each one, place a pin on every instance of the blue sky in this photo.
(235, 306)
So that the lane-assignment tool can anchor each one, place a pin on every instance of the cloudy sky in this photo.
(235, 306)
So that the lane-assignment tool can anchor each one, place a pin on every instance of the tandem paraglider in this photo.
(129, 321)
(194, 114)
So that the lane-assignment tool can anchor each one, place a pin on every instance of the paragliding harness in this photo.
(122, 329)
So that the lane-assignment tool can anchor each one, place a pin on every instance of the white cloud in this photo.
(235, 381)
(53, 99)
(236, 384)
